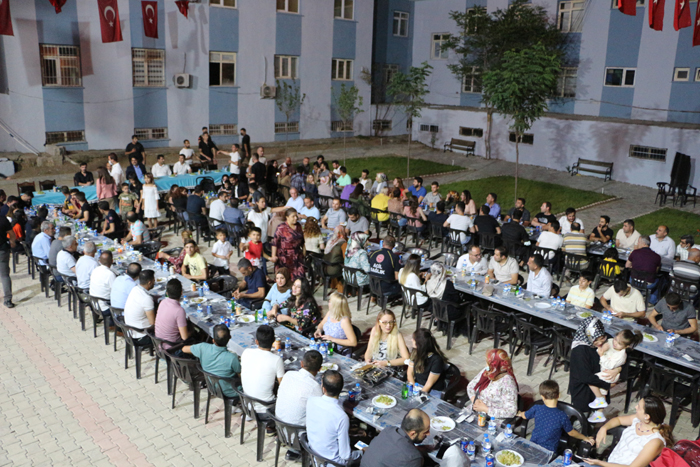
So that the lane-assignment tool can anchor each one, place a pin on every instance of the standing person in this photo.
(106, 187)
(115, 169)
(127, 201)
(259, 215)
(136, 149)
(187, 151)
(288, 249)
(258, 171)
(149, 201)
(207, 151)
(235, 163)
(245, 143)
(7, 241)
(221, 251)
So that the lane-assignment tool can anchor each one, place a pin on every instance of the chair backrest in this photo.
(223, 285)
(94, 303)
(640, 279)
(43, 268)
(156, 233)
(25, 187)
(248, 405)
(214, 383)
(575, 416)
(487, 320)
(186, 369)
(450, 259)
(418, 251)
(319, 266)
(316, 460)
(128, 332)
(683, 287)
(350, 275)
(563, 344)
(441, 309)
(487, 241)
(158, 344)
(287, 433)
(452, 378)
(410, 296)
(207, 183)
(436, 230)
(233, 231)
(377, 212)
(524, 330)
(663, 379)
(47, 184)
(606, 270)
(573, 262)
(149, 249)
(375, 284)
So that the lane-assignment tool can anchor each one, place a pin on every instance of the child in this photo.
(254, 248)
(149, 201)
(221, 251)
(549, 420)
(611, 357)
(126, 201)
(582, 295)
(610, 265)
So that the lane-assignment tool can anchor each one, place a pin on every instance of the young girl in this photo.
(149, 201)
(611, 356)
(313, 238)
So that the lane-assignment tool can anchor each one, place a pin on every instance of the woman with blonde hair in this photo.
(409, 278)
(313, 238)
(387, 346)
(336, 326)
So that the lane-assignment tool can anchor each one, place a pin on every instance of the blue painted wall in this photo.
(288, 39)
(344, 38)
(223, 100)
(685, 96)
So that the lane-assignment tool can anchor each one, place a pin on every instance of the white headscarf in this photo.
(437, 282)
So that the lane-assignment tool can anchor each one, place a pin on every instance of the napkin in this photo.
(488, 290)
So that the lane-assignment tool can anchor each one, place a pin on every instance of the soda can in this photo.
(489, 460)
(463, 444)
(351, 395)
(482, 419)
(209, 310)
(567, 457)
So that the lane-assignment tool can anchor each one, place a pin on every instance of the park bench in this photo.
(460, 144)
(606, 168)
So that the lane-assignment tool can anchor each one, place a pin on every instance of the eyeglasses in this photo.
(384, 323)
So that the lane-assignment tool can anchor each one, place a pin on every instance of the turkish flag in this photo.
(5, 19)
(656, 14)
(109, 21)
(57, 4)
(628, 7)
(682, 17)
(696, 27)
(150, 18)
(183, 6)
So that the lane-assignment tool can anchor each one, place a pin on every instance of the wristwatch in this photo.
(388, 363)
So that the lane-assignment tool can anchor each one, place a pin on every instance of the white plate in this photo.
(383, 405)
(650, 337)
(442, 424)
(543, 305)
(245, 318)
(328, 366)
(198, 300)
(160, 280)
(520, 462)
(584, 314)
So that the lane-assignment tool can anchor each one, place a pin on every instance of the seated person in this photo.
(582, 294)
(549, 237)
(138, 233)
(610, 265)
(300, 312)
(252, 289)
(459, 221)
(112, 226)
(627, 236)
(139, 310)
(545, 215)
(65, 261)
(439, 216)
(473, 260)
(677, 316)
(428, 365)
(645, 264)
(356, 223)
(194, 266)
(409, 278)
(122, 285)
(539, 280)
(686, 243)
(513, 234)
(85, 214)
(261, 369)
(334, 216)
(385, 264)
(524, 213)
(485, 223)
(624, 301)
(171, 320)
(217, 359)
(502, 268)
(568, 219)
(602, 232)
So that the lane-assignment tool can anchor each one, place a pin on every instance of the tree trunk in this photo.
(408, 156)
(345, 151)
(517, 164)
(487, 141)
(286, 141)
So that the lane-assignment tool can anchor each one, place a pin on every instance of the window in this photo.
(221, 129)
(289, 6)
(436, 50)
(681, 74)
(343, 9)
(341, 69)
(381, 125)
(571, 16)
(643, 152)
(472, 80)
(54, 137)
(286, 67)
(697, 74)
(222, 69)
(151, 133)
(401, 24)
(227, 3)
(390, 71)
(566, 87)
(472, 20)
(477, 132)
(526, 139)
(340, 125)
(148, 67)
(430, 128)
(283, 127)
(60, 65)
(619, 77)
(614, 4)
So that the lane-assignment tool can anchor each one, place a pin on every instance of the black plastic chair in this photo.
(531, 337)
(375, 290)
(573, 263)
(320, 271)
(248, 407)
(561, 350)
(117, 315)
(453, 242)
(350, 280)
(156, 233)
(604, 273)
(131, 345)
(314, 459)
(214, 225)
(186, 369)
(214, 389)
(435, 236)
(287, 435)
(207, 184)
(59, 286)
(98, 316)
(30, 259)
(441, 310)
(661, 193)
(410, 305)
(634, 372)
(233, 231)
(79, 305)
(161, 353)
(687, 192)
(150, 248)
(44, 274)
(418, 251)
(395, 226)
(374, 220)
(679, 387)
(448, 259)
(488, 242)
(580, 448)
(490, 322)
(683, 287)
(639, 282)
(223, 285)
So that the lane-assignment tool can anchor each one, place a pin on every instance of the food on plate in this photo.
(508, 458)
(386, 400)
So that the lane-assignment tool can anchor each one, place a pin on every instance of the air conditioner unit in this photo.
(182, 80)
(268, 92)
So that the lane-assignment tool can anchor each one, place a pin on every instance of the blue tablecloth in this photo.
(163, 184)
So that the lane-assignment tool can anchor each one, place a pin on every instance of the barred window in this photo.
(477, 132)
(54, 137)
(389, 71)
(341, 69)
(381, 125)
(527, 138)
(148, 67)
(430, 128)
(286, 67)
(571, 16)
(566, 87)
(151, 133)
(472, 80)
(228, 3)
(220, 129)
(222, 68)
(644, 152)
(283, 127)
(60, 65)
(400, 25)
(339, 125)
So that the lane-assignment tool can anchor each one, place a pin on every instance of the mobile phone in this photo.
(360, 445)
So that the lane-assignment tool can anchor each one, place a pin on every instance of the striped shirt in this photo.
(575, 243)
(582, 298)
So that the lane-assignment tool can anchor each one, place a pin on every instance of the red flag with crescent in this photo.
(696, 27)
(682, 17)
(5, 19)
(150, 18)
(656, 14)
(57, 4)
(183, 6)
(628, 7)
(109, 21)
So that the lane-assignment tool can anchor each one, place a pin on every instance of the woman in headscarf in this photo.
(585, 363)
(379, 183)
(334, 251)
(440, 287)
(494, 390)
(356, 257)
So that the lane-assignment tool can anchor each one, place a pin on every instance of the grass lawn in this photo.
(535, 193)
(394, 166)
(679, 223)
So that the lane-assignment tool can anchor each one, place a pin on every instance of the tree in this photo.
(289, 101)
(519, 88)
(485, 38)
(348, 103)
(408, 91)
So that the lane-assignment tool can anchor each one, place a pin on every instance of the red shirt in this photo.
(254, 253)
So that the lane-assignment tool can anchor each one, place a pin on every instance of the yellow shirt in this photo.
(381, 202)
(196, 263)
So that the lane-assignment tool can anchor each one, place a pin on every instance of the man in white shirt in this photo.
(101, 281)
(458, 221)
(260, 368)
(309, 210)
(295, 201)
(139, 310)
(235, 166)
(115, 169)
(549, 237)
(662, 244)
(218, 206)
(568, 219)
(473, 261)
(503, 268)
(187, 151)
(287, 163)
(181, 167)
(627, 236)
(65, 262)
(160, 168)
(539, 280)
(327, 424)
(85, 265)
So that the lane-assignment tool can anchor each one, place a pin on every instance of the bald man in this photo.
(396, 445)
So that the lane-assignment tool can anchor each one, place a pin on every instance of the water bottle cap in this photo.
(508, 426)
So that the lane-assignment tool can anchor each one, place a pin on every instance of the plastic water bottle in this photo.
(669, 339)
(492, 427)
(486, 445)
(199, 309)
(509, 432)
(201, 291)
(471, 451)
(287, 343)
(323, 348)
(358, 391)
(312, 345)
(206, 287)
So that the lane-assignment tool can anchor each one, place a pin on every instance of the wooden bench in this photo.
(460, 144)
(606, 169)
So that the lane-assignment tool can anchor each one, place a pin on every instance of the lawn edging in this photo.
(593, 205)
